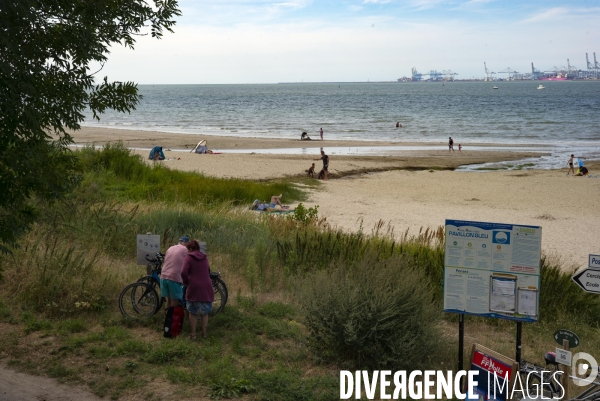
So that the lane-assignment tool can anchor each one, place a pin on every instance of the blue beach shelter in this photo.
(156, 150)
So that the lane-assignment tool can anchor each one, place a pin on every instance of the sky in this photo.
(266, 41)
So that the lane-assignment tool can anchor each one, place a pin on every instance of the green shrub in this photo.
(374, 314)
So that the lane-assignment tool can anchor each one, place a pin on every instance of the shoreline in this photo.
(181, 141)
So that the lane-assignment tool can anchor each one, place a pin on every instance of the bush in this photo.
(374, 315)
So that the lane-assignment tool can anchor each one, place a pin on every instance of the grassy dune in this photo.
(303, 297)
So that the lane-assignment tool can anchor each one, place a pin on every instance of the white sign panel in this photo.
(594, 261)
(147, 245)
(563, 356)
(492, 269)
(589, 280)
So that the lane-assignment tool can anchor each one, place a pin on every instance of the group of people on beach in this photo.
(304, 136)
(324, 173)
(581, 171)
(451, 145)
(186, 265)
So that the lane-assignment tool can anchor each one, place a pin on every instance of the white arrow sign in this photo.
(589, 280)
(594, 261)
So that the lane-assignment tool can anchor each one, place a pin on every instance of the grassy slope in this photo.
(67, 275)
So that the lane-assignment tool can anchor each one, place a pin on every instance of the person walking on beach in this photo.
(450, 144)
(321, 132)
(325, 159)
(460, 148)
(570, 162)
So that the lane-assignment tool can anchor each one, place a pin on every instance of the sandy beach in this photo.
(409, 190)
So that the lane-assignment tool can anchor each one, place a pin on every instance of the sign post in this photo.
(589, 279)
(492, 270)
(147, 245)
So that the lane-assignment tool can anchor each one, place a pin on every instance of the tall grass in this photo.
(125, 176)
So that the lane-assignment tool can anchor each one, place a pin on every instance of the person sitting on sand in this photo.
(276, 200)
(304, 137)
(311, 171)
(582, 171)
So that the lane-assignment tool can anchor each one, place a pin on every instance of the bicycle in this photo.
(551, 387)
(141, 299)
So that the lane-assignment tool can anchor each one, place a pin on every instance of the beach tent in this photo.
(200, 148)
(156, 150)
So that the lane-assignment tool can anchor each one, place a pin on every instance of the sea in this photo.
(559, 120)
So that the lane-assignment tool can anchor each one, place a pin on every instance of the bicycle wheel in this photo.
(533, 385)
(138, 300)
(219, 302)
(221, 284)
(156, 286)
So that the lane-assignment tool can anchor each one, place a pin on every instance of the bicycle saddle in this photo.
(550, 359)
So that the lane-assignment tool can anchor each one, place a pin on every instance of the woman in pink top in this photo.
(199, 294)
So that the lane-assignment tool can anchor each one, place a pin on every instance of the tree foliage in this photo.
(46, 49)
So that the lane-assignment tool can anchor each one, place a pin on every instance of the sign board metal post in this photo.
(567, 371)
(519, 332)
(461, 343)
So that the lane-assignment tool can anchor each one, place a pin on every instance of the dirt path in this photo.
(15, 386)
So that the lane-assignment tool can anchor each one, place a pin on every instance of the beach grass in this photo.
(68, 272)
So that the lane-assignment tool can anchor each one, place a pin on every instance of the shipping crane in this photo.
(535, 73)
(488, 73)
(449, 75)
(509, 71)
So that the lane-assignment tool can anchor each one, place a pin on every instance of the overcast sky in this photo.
(262, 41)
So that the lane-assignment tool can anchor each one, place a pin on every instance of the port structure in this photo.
(434, 75)
(592, 68)
(488, 74)
(512, 74)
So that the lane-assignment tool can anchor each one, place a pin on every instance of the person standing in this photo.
(199, 293)
(450, 144)
(321, 132)
(325, 159)
(570, 162)
(170, 276)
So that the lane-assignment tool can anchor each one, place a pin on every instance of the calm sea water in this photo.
(565, 115)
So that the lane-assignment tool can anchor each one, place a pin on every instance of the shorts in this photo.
(171, 289)
(199, 307)
(325, 167)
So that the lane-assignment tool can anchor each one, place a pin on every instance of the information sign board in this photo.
(563, 356)
(560, 335)
(147, 245)
(492, 269)
(496, 373)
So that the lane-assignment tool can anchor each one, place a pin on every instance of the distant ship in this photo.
(557, 77)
